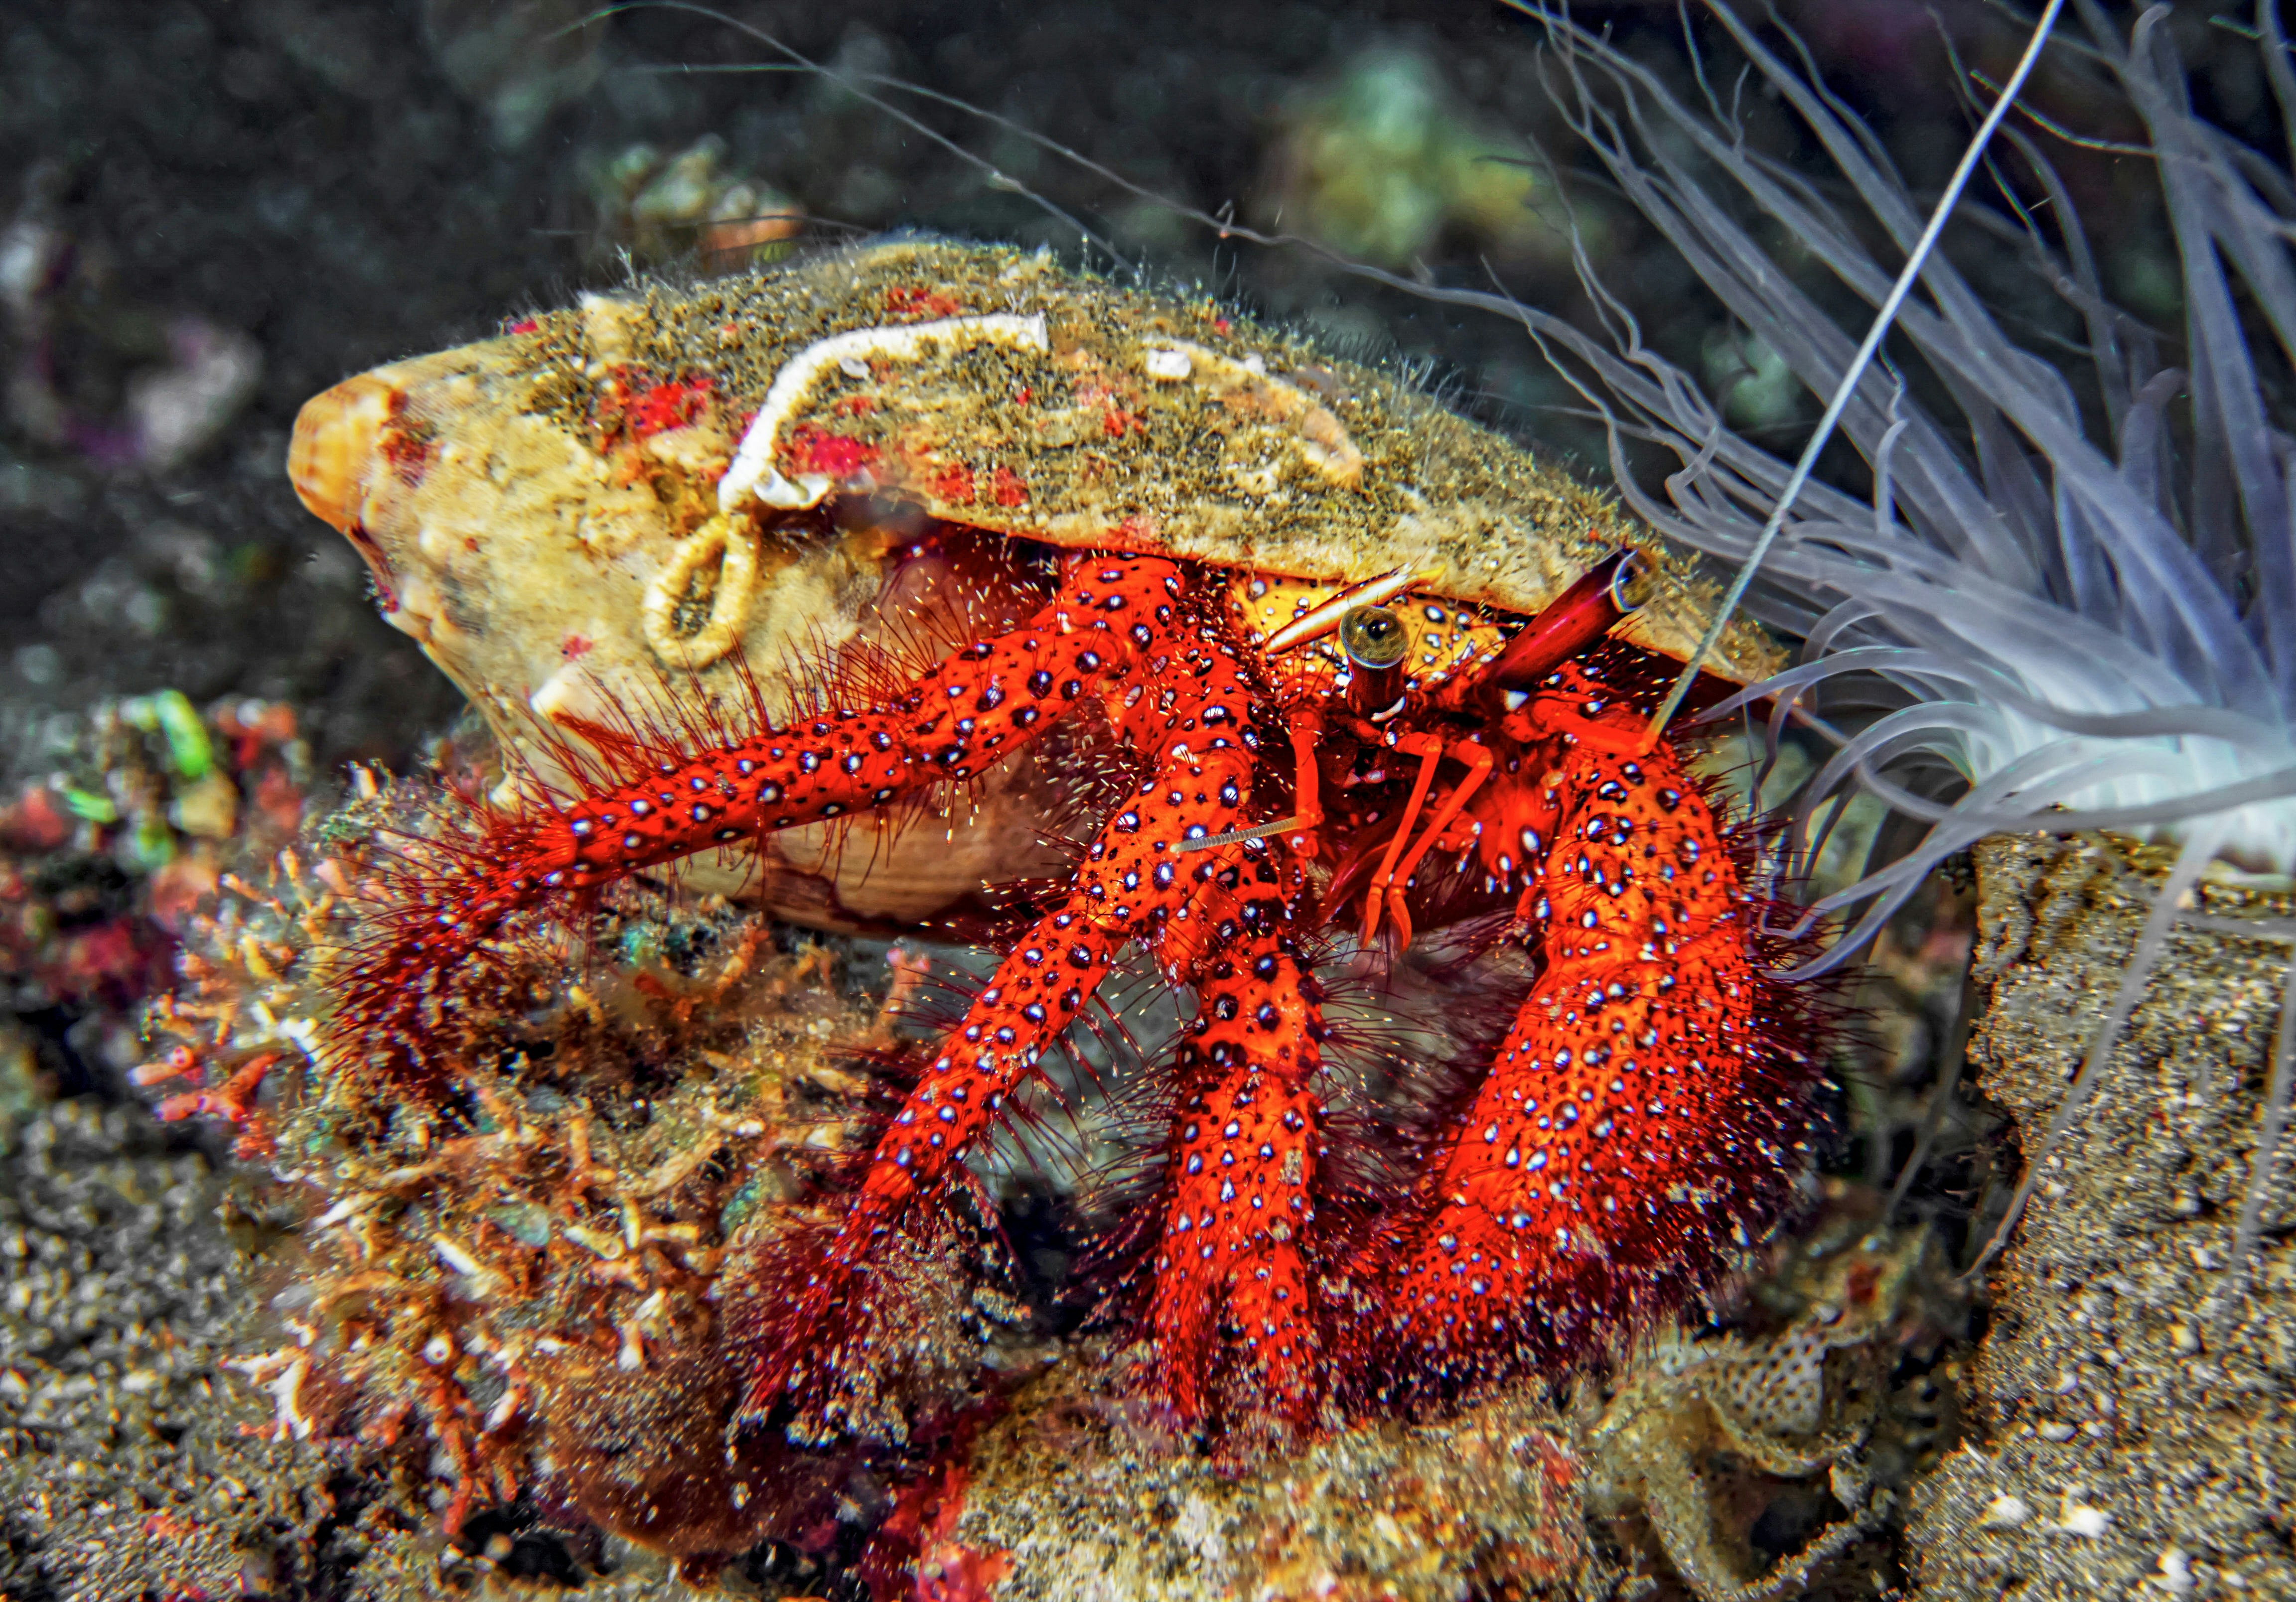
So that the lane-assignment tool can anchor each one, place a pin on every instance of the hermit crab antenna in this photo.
(1848, 387)
(1325, 618)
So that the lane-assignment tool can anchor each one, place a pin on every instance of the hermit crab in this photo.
(869, 585)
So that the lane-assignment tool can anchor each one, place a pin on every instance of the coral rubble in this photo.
(1751, 1465)
(520, 1294)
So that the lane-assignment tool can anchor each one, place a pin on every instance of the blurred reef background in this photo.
(209, 212)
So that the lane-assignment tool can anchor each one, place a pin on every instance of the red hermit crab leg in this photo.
(1192, 718)
(1247, 1139)
(1234, 1250)
(971, 710)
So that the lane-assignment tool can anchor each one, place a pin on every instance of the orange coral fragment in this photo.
(912, 303)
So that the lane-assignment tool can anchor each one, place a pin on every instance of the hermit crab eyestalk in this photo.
(1599, 601)
(1375, 641)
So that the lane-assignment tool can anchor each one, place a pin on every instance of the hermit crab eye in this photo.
(1374, 638)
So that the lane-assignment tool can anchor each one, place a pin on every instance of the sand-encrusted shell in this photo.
(619, 492)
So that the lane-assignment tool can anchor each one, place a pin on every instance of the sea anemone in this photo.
(2090, 612)
(2075, 575)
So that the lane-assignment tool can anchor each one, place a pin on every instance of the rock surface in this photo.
(1085, 1498)
(2135, 1401)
